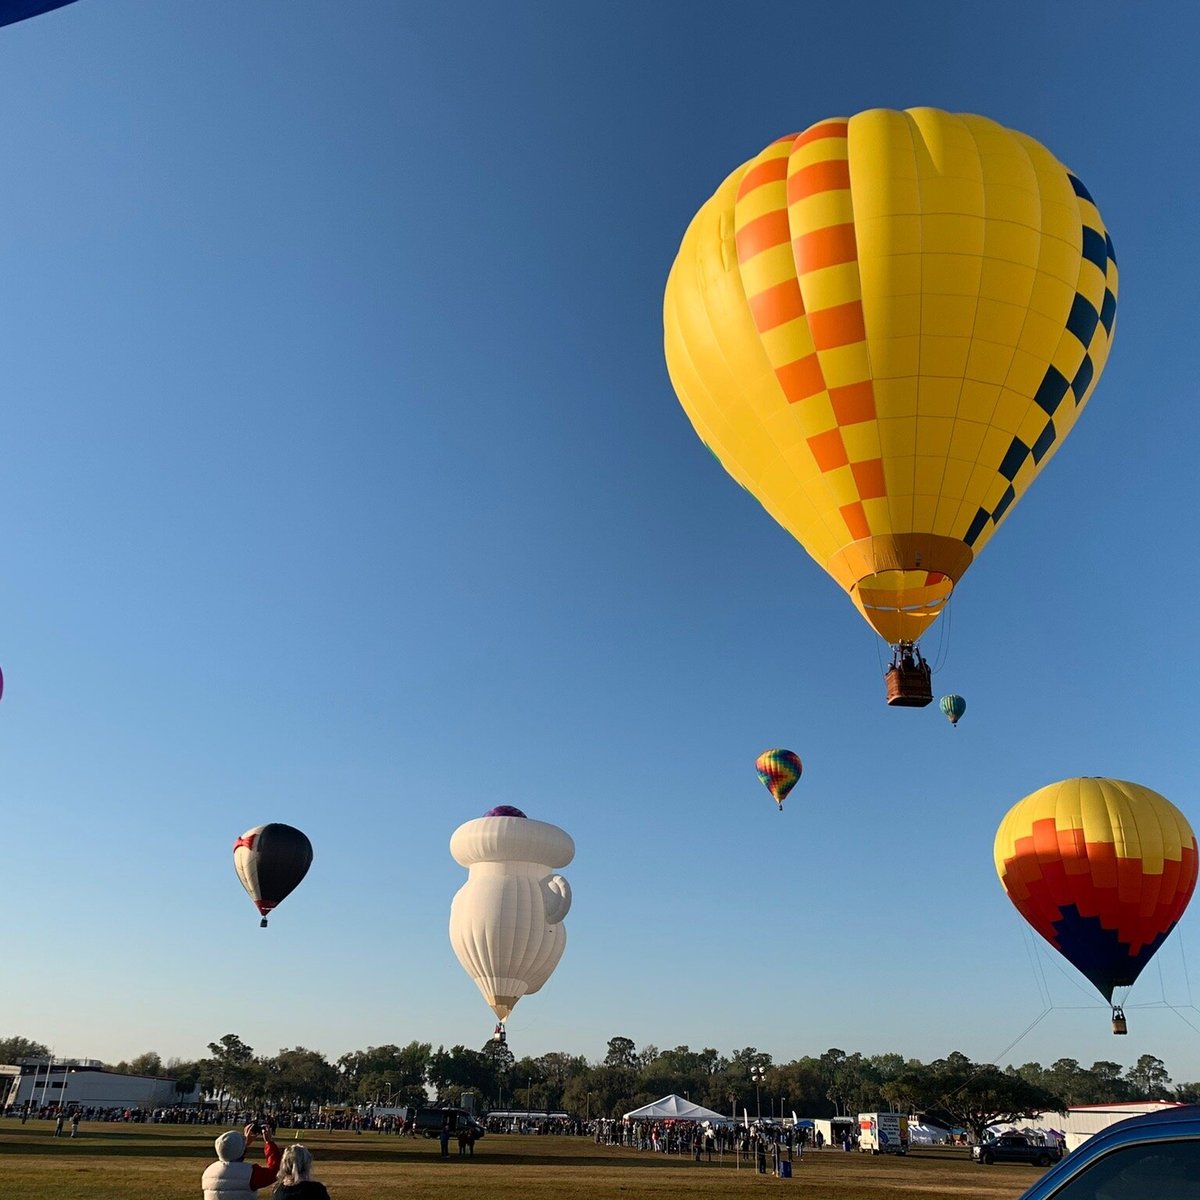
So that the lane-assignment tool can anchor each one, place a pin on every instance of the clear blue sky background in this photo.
(343, 485)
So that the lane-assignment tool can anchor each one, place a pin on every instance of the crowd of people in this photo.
(764, 1145)
(759, 1142)
(183, 1115)
(533, 1124)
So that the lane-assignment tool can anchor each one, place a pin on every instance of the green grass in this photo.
(164, 1162)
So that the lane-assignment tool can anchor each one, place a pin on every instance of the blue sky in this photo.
(344, 486)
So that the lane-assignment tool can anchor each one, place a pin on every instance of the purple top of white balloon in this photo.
(504, 810)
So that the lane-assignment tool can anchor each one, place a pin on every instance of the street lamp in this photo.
(757, 1075)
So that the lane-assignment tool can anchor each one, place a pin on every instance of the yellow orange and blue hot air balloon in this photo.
(1103, 869)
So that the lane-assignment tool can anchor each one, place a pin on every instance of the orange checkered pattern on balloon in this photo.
(1054, 869)
(1102, 869)
(804, 293)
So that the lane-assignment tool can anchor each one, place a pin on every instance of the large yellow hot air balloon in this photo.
(883, 328)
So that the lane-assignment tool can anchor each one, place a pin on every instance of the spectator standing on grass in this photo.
(231, 1178)
(295, 1176)
(75, 1122)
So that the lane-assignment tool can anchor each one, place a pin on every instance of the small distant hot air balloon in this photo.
(954, 707)
(884, 327)
(506, 920)
(271, 860)
(1103, 870)
(780, 771)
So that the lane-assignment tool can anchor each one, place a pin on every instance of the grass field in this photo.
(164, 1162)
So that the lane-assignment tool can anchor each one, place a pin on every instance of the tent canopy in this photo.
(675, 1108)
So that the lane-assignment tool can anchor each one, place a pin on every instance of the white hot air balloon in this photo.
(506, 920)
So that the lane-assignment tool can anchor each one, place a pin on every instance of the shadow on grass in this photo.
(101, 1147)
(38, 1135)
(61, 1148)
(505, 1158)
(652, 1162)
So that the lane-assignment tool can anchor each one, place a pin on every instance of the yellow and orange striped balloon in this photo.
(884, 327)
(1102, 869)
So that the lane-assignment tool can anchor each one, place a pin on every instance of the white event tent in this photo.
(674, 1108)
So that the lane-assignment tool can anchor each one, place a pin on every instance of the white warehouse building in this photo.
(1081, 1121)
(84, 1083)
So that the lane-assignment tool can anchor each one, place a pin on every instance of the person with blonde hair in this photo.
(295, 1176)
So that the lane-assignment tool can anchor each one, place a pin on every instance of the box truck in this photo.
(883, 1133)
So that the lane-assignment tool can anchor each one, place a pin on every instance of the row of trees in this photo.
(954, 1088)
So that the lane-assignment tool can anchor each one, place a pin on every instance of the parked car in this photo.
(1155, 1156)
(1015, 1147)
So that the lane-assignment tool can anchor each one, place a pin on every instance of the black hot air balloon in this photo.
(270, 861)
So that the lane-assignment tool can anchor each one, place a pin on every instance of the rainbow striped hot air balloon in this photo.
(780, 771)
(1102, 869)
(884, 328)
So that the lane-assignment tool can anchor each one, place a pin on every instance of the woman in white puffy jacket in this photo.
(231, 1178)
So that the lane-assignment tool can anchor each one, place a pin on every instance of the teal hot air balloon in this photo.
(779, 770)
(953, 707)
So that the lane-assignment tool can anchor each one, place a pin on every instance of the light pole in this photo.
(589, 1107)
(758, 1074)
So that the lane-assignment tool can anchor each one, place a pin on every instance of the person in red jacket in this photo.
(231, 1178)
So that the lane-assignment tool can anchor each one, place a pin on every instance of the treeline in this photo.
(955, 1088)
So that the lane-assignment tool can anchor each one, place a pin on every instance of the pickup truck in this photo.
(1015, 1147)
(1150, 1157)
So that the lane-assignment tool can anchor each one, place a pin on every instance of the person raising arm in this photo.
(232, 1178)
